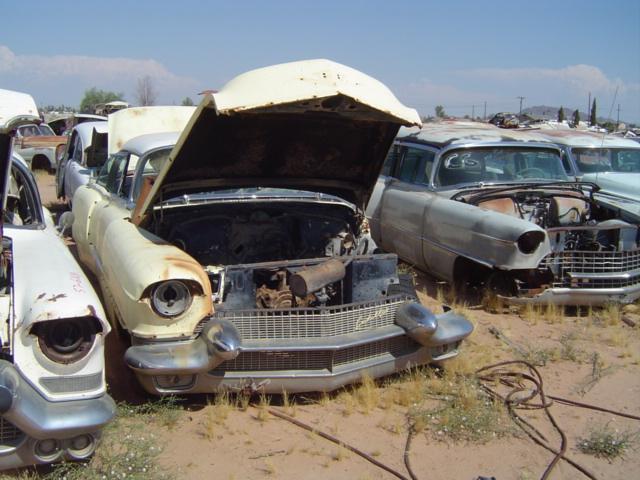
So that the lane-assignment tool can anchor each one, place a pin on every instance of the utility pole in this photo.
(589, 105)
(484, 115)
(521, 99)
(473, 111)
(618, 122)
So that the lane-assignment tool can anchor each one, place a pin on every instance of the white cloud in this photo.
(81, 72)
(583, 78)
(465, 91)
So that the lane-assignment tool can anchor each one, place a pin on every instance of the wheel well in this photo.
(466, 270)
(40, 162)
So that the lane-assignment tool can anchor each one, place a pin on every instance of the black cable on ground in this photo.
(337, 441)
(407, 452)
(524, 387)
(492, 374)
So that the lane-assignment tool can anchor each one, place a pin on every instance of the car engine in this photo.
(280, 255)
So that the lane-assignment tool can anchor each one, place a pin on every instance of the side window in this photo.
(410, 162)
(425, 165)
(21, 207)
(113, 172)
(77, 150)
(390, 162)
(72, 145)
(151, 166)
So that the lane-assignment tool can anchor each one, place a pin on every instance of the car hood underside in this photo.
(315, 126)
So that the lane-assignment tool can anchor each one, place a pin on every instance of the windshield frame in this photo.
(529, 146)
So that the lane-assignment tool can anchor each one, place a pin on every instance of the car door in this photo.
(404, 202)
(95, 206)
(73, 166)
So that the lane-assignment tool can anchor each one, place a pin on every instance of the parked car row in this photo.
(229, 242)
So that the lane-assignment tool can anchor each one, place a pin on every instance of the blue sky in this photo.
(456, 53)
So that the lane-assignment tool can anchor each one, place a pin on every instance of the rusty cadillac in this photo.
(241, 259)
(53, 400)
(472, 203)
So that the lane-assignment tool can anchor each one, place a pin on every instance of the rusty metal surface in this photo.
(581, 138)
(450, 132)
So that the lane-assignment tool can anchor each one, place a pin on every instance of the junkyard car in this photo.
(471, 202)
(241, 258)
(63, 124)
(611, 162)
(90, 143)
(53, 401)
(37, 144)
(85, 153)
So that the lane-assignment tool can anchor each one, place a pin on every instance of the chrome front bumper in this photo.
(580, 296)
(34, 430)
(220, 359)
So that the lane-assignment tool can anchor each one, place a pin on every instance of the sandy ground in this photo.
(248, 444)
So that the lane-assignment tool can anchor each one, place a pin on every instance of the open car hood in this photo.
(311, 125)
(129, 123)
(16, 109)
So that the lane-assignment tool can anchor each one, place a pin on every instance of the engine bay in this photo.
(280, 255)
(573, 221)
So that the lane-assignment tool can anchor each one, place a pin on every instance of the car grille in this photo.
(9, 433)
(317, 360)
(300, 323)
(568, 266)
(70, 384)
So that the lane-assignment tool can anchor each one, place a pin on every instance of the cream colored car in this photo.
(241, 258)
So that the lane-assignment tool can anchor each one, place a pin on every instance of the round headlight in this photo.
(170, 298)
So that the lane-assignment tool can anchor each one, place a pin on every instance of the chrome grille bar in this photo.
(301, 323)
(580, 269)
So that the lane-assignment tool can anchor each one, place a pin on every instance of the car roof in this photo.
(581, 138)
(448, 132)
(144, 143)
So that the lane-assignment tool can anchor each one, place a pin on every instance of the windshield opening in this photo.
(499, 164)
(596, 160)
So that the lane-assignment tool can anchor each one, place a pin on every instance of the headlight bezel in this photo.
(67, 340)
(529, 241)
(178, 297)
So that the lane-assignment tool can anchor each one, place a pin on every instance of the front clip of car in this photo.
(173, 367)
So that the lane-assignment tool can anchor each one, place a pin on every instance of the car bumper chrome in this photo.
(35, 430)
(581, 296)
(220, 359)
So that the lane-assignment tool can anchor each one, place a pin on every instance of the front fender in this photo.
(485, 236)
(132, 260)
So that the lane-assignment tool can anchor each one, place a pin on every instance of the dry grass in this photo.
(217, 413)
(464, 411)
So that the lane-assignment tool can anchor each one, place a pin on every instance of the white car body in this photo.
(53, 400)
